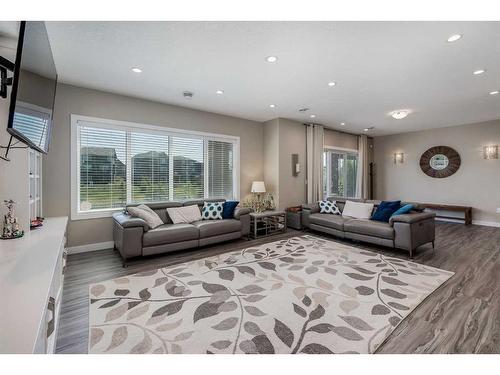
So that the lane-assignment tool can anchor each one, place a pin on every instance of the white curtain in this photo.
(314, 163)
(362, 177)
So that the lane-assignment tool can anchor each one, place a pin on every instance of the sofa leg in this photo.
(433, 248)
(124, 263)
(411, 253)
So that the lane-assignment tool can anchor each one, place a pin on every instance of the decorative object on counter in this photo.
(269, 202)
(36, 223)
(11, 227)
(440, 162)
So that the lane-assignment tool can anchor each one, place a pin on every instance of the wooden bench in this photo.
(445, 207)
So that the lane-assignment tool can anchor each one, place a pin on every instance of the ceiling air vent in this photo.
(187, 94)
(303, 109)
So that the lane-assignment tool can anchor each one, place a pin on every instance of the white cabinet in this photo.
(35, 178)
(32, 272)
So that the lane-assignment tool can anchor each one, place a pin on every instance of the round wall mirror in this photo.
(440, 161)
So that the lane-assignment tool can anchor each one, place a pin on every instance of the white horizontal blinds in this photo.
(149, 167)
(220, 169)
(124, 164)
(32, 123)
(188, 166)
(102, 169)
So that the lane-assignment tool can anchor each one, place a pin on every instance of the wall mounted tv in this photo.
(33, 88)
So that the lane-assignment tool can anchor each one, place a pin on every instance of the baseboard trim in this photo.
(486, 223)
(91, 247)
(474, 222)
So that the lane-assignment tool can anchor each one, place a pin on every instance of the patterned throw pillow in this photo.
(212, 211)
(328, 207)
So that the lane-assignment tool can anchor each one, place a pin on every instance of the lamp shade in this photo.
(258, 187)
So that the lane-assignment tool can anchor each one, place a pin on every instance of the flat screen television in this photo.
(33, 88)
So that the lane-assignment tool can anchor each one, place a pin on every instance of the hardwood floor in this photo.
(463, 316)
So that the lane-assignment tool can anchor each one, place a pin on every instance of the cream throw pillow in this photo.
(358, 210)
(147, 214)
(186, 214)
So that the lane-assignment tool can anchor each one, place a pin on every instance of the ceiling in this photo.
(378, 67)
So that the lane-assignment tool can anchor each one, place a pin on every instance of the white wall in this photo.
(476, 183)
(86, 102)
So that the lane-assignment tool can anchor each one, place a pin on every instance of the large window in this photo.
(115, 163)
(340, 173)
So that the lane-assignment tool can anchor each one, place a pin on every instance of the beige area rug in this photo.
(301, 295)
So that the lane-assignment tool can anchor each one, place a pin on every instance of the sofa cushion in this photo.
(328, 207)
(328, 220)
(212, 211)
(228, 209)
(369, 228)
(358, 210)
(209, 228)
(170, 233)
(184, 215)
(147, 214)
(385, 209)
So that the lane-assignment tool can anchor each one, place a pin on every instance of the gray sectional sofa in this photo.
(133, 237)
(406, 232)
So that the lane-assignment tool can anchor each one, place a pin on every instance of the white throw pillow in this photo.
(328, 207)
(186, 214)
(147, 214)
(358, 210)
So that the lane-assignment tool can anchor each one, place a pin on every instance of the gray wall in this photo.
(86, 102)
(271, 158)
(476, 183)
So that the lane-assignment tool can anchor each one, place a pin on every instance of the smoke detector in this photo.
(187, 94)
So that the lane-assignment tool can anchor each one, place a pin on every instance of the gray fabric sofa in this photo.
(406, 232)
(133, 237)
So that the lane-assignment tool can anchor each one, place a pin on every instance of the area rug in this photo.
(300, 295)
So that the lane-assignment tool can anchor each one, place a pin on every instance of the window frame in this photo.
(138, 127)
(339, 150)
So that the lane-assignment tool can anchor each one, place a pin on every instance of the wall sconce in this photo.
(399, 157)
(490, 152)
(295, 165)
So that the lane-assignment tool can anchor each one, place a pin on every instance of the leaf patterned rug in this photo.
(300, 295)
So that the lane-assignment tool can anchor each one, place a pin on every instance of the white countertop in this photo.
(26, 270)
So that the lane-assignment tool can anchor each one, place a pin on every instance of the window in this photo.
(115, 163)
(340, 173)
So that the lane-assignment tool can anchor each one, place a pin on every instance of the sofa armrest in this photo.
(312, 207)
(412, 217)
(413, 230)
(128, 221)
(238, 212)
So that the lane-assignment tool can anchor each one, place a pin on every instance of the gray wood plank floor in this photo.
(463, 316)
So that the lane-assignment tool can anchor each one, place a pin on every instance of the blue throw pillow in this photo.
(403, 210)
(228, 209)
(385, 209)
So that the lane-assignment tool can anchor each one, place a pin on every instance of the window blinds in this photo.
(118, 166)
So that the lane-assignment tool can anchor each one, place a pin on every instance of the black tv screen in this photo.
(34, 87)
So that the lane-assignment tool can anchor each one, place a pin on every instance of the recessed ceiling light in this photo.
(454, 38)
(312, 116)
(365, 129)
(136, 70)
(271, 59)
(399, 115)
(478, 72)
(272, 105)
(219, 92)
(342, 124)
(494, 92)
(331, 84)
